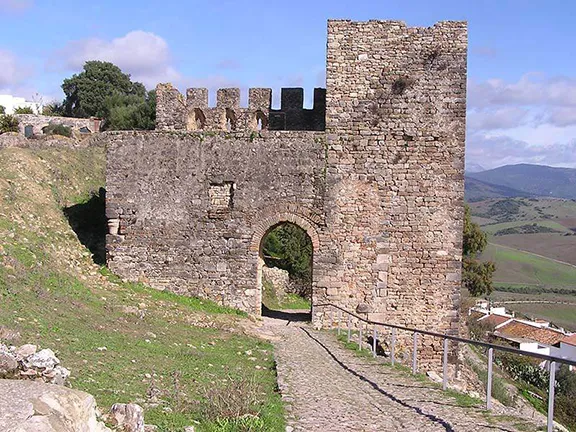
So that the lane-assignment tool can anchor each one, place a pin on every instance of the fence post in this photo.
(374, 339)
(550, 427)
(415, 354)
(393, 346)
(331, 318)
(489, 383)
(349, 329)
(445, 366)
(339, 319)
(360, 336)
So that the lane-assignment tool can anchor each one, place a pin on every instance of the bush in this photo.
(23, 110)
(57, 129)
(8, 123)
(2, 110)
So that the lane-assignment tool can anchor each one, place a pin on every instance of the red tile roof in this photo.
(517, 329)
(496, 320)
(570, 340)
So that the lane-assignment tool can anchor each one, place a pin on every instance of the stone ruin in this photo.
(374, 173)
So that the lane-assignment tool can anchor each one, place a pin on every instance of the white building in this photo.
(10, 103)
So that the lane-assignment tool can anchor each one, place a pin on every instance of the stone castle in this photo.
(374, 173)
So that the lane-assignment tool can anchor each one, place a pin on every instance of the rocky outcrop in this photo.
(40, 407)
(127, 417)
(25, 362)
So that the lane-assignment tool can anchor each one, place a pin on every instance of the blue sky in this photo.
(522, 79)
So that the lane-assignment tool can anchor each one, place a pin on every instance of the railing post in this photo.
(550, 427)
(393, 347)
(339, 319)
(445, 366)
(331, 318)
(415, 353)
(349, 329)
(489, 383)
(360, 336)
(374, 339)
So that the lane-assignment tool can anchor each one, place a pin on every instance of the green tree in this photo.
(23, 110)
(131, 112)
(8, 123)
(289, 247)
(87, 92)
(477, 275)
(2, 110)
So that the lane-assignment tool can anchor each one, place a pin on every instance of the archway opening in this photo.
(286, 252)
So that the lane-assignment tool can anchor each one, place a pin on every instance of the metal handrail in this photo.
(455, 338)
(491, 347)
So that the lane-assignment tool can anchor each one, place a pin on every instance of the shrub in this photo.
(8, 123)
(23, 110)
(2, 110)
(57, 129)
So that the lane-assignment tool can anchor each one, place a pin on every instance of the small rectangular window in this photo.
(221, 198)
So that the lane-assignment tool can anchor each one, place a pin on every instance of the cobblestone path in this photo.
(328, 388)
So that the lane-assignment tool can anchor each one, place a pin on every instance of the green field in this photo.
(494, 227)
(186, 361)
(517, 267)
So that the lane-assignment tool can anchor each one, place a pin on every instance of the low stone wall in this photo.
(279, 278)
(16, 140)
(38, 122)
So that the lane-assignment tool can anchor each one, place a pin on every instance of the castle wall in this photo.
(396, 107)
(38, 122)
(188, 210)
(380, 191)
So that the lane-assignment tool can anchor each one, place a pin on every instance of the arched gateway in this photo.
(374, 173)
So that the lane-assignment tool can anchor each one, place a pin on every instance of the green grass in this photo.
(289, 301)
(517, 267)
(123, 342)
(461, 399)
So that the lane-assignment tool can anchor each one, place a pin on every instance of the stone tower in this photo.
(374, 173)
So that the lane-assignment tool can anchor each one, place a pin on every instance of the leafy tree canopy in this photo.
(477, 275)
(87, 92)
(23, 110)
(289, 247)
(2, 110)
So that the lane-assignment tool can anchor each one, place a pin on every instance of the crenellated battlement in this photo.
(174, 112)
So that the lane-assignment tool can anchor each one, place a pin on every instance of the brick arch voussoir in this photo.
(264, 225)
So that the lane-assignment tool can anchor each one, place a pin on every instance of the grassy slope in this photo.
(159, 347)
(517, 267)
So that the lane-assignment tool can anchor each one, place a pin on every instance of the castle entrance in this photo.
(285, 272)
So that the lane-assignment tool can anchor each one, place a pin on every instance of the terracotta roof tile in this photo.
(496, 320)
(519, 329)
(570, 340)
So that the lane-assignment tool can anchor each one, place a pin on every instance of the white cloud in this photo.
(496, 118)
(492, 151)
(531, 120)
(15, 5)
(530, 89)
(144, 55)
(12, 71)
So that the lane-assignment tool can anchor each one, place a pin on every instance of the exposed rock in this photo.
(363, 308)
(189, 429)
(35, 406)
(127, 417)
(25, 351)
(434, 376)
(45, 359)
(8, 364)
(150, 428)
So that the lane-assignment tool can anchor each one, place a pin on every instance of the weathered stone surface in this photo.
(25, 350)
(8, 363)
(127, 417)
(380, 191)
(36, 123)
(34, 406)
(44, 359)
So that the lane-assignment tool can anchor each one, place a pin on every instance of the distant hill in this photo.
(478, 190)
(473, 167)
(535, 180)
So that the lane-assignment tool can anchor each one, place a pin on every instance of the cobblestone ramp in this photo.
(328, 388)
